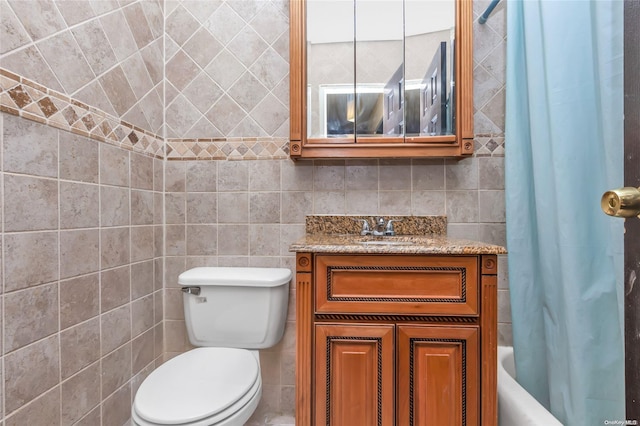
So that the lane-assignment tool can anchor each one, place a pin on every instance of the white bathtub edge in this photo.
(516, 407)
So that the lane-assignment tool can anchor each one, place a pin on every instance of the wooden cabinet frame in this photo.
(477, 334)
(459, 145)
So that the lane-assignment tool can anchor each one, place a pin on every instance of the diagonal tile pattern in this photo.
(489, 81)
(87, 50)
(237, 45)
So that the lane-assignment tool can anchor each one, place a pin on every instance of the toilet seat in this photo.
(204, 386)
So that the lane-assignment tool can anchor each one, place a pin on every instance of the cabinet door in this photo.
(354, 375)
(438, 377)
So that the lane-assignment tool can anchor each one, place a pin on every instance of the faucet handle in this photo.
(365, 226)
(389, 229)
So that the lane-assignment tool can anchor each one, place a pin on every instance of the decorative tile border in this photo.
(489, 146)
(228, 149)
(28, 99)
(25, 98)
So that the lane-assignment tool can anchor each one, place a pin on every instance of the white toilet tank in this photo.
(235, 307)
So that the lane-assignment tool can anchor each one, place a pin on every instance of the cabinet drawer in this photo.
(403, 284)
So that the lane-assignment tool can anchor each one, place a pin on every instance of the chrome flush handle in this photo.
(191, 290)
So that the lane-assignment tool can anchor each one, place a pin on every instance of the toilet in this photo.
(230, 313)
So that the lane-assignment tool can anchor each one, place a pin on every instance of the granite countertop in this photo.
(402, 244)
(414, 235)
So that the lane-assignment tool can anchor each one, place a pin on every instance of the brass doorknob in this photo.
(621, 202)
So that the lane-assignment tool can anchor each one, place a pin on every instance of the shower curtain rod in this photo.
(483, 18)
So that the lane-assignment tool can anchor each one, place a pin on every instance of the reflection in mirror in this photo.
(330, 67)
(382, 69)
(379, 61)
(429, 44)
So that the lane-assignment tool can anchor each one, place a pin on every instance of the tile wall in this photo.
(224, 65)
(82, 179)
(82, 284)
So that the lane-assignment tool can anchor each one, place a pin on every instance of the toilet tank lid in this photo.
(234, 276)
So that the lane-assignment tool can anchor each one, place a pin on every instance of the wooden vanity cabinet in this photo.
(388, 340)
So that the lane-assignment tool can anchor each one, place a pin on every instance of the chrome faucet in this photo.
(381, 228)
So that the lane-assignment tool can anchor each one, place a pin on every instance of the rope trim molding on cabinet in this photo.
(395, 318)
(461, 270)
(463, 343)
(328, 378)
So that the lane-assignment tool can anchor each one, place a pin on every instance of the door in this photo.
(625, 202)
(438, 376)
(632, 225)
(354, 375)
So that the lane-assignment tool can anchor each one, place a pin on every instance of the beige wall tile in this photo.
(233, 239)
(175, 207)
(115, 328)
(78, 158)
(92, 40)
(114, 206)
(202, 240)
(201, 176)
(264, 175)
(175, 176)
(79, 299)
(66, 60)
(30, 259)
(175, 244)
(264, 207)
(142, 279)
(30, 315)
(264, 240)
(141, 243)
(114, 166)
(233, 176)
(116, 409)
(141, 171)
(233, 207)
(116, 369)
(142, 351)
(13, 34)
(79, 252)
(142, 315)
(115, 287)
(79, 347)
(175, 335)
(142, 207)
(114, 247)
(91, 419)
(30, 371)
(202, 207)
(42, 411)
(33, 204)
(79, 205)
(40, 18)
(174, 305)
(41, 159)
(80, 394)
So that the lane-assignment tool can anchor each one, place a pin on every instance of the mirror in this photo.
(381, 78)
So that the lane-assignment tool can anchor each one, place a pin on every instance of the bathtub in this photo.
(515, 406)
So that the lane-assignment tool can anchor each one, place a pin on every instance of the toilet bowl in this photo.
(203, 387)
(229, 313)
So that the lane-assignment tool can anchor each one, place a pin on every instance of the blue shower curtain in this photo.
(564, 142)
